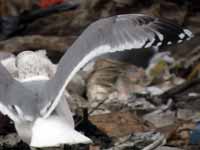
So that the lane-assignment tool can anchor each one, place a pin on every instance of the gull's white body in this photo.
(55, 130)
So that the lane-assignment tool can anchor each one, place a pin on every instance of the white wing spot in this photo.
(188, 32)
(160, 36)
(180, 41)
(150, 43)
(159, 43)
(188, 38)
(181, 36)
(169, 43)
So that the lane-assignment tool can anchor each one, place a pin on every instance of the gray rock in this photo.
(10, 139)
(185, 114)
(32, 64)
(77, 85)
(161, 118)
(9, 61)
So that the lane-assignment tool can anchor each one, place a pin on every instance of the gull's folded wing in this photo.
(118, 33)
(15, 98)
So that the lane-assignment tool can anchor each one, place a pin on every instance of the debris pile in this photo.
(120, 102)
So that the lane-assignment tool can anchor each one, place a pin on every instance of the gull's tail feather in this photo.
(54, 131)
(79, 138)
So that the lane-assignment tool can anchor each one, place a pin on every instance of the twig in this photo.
(96, 107)
(93, 110)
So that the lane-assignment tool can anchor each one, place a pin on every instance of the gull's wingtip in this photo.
(79, 138)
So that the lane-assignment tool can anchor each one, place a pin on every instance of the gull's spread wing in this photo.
(118, 33)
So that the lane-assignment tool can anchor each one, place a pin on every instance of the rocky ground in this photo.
(136, 102)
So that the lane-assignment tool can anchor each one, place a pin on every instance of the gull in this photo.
(37, 106)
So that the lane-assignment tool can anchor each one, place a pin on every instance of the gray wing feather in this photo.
(118, 33)
(14, 98)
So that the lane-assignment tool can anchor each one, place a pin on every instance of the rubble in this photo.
(136, 104)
